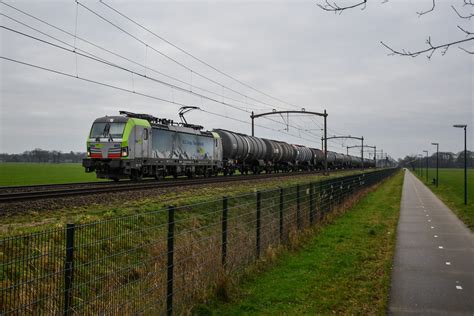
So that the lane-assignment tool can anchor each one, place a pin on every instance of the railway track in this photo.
(46, 187)
(22, 194)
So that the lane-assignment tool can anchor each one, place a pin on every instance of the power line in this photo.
(194, 57)
(96, 58)
(142, 42)
(134, 92)
(168, 57)
(180, 49)
(104, 49)
(108, 63)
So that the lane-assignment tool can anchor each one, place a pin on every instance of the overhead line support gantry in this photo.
(303, 111)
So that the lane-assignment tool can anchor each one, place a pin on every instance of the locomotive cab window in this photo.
(107, 130)
(145, 134)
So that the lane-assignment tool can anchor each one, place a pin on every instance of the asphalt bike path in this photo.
(433, 269)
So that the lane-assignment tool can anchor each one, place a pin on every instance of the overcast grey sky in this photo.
(291, 50)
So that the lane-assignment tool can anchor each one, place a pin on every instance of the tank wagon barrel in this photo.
(274, 150)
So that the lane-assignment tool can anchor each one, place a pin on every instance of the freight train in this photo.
(135, 145)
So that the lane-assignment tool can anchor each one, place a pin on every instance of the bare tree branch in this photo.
(427, 11)
(467, 51)
(443, 48)
(468, 33)
(334, 7)
(462, 16)
(430, 50)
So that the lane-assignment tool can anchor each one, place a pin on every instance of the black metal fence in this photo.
(159, 262)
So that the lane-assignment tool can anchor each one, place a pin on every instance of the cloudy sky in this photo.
(298, 55)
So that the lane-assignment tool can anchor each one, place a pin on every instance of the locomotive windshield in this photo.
(107, 130)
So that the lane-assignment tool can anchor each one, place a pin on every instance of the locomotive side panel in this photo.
(175, 145)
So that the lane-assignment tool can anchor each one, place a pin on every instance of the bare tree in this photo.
(467, 5)
(334, 7)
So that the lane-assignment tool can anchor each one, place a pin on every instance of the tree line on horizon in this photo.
(446, 160)
(39, 155)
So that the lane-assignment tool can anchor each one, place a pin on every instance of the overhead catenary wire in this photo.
(103, 61)
(301, 129)
(93, 57)
(197, 58)
(169, 57)
(122, 57)
(135, 92)
(173, 59)
(102, 48)
(117, 55)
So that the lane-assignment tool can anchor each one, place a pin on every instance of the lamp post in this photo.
(465, 159)
(437, 162)
(426, 151)
(420, 165)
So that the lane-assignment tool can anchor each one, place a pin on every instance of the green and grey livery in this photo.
(138, 145)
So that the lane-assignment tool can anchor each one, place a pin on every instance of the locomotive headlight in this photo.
(124, 151)
(88, 152)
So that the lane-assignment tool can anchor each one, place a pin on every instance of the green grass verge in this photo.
(15, 174)
(345, 269)
(32, 220)
(451, 191)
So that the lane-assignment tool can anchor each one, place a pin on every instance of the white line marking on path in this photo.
(458, 287)
(448, 263)
(440, 247)
(435, 236)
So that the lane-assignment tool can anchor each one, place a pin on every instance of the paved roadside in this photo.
(433, 271)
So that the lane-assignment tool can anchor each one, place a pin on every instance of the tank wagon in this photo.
(140, 145)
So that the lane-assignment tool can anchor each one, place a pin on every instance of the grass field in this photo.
(345, 269)
(451, 191)
(13, 174)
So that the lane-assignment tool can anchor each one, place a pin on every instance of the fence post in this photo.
(281, 214)
(259, 197)
(298, 200)
(69, 268)
(325, 198)
(224, 230)
(169, 289)
(320, 201)
(311, 203)
(341, 190)
(331, 198)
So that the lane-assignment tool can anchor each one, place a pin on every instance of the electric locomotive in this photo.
(140, 145)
